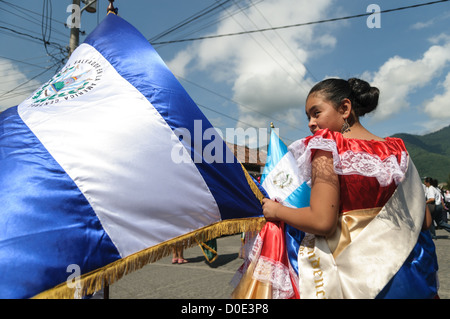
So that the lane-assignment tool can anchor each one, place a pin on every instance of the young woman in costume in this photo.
(363, 233)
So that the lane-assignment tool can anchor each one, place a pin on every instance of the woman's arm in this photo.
(321, 216)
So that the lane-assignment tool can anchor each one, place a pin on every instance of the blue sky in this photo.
(253, 79)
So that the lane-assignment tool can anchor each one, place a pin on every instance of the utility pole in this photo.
(91, 7)
(74, 33)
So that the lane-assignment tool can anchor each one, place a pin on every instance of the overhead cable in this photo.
(300, 24)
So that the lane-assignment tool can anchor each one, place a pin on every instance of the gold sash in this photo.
(350, 224)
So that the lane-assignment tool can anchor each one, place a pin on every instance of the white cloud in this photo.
(429, 23)
(179, 64)
(266, 70)
(422, 25)
(399, 77)
(11, 80)
(440, 38)
(439, 106)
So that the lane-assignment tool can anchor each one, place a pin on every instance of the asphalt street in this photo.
(199, 279)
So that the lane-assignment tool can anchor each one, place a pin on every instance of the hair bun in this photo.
(364, 96)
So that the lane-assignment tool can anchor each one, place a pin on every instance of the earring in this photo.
(345, 127)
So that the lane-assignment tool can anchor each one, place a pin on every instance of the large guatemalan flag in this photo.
(107, 167)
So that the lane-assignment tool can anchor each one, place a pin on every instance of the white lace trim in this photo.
(268, 271)
(349, 163)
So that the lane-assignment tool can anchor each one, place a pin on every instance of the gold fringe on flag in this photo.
(252, 185)
(97, 279)
(107, 275)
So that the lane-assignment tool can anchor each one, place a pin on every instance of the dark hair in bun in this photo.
(364, 97)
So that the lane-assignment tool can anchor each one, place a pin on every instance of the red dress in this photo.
(369, 171)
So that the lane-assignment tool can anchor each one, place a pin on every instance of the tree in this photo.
(447, 186)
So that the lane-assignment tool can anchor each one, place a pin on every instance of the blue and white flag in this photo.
(106, 167)
(281, 180)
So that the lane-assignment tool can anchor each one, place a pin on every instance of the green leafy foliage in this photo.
(430, 153)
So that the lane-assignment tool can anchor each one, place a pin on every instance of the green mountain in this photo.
(430, 153)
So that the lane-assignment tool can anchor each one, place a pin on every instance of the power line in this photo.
(19, 61)
(46, 24)
(286, 45)
(61, 49)
(186, 21)
(234, 119)
(30, 36)
(274, 47)
(29, 18)
(18, 27)
(207, 24)
(239, 104)
(27, 90)
(46, 70)
(299, 24)
(21, 9)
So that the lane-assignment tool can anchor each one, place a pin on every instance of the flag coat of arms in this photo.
(103, 168)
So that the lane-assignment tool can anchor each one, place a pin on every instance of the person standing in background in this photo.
(434, 202)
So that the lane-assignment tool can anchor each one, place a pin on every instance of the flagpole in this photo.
(106, 291)
(111, 8)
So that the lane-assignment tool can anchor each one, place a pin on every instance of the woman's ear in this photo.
(345, 108)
